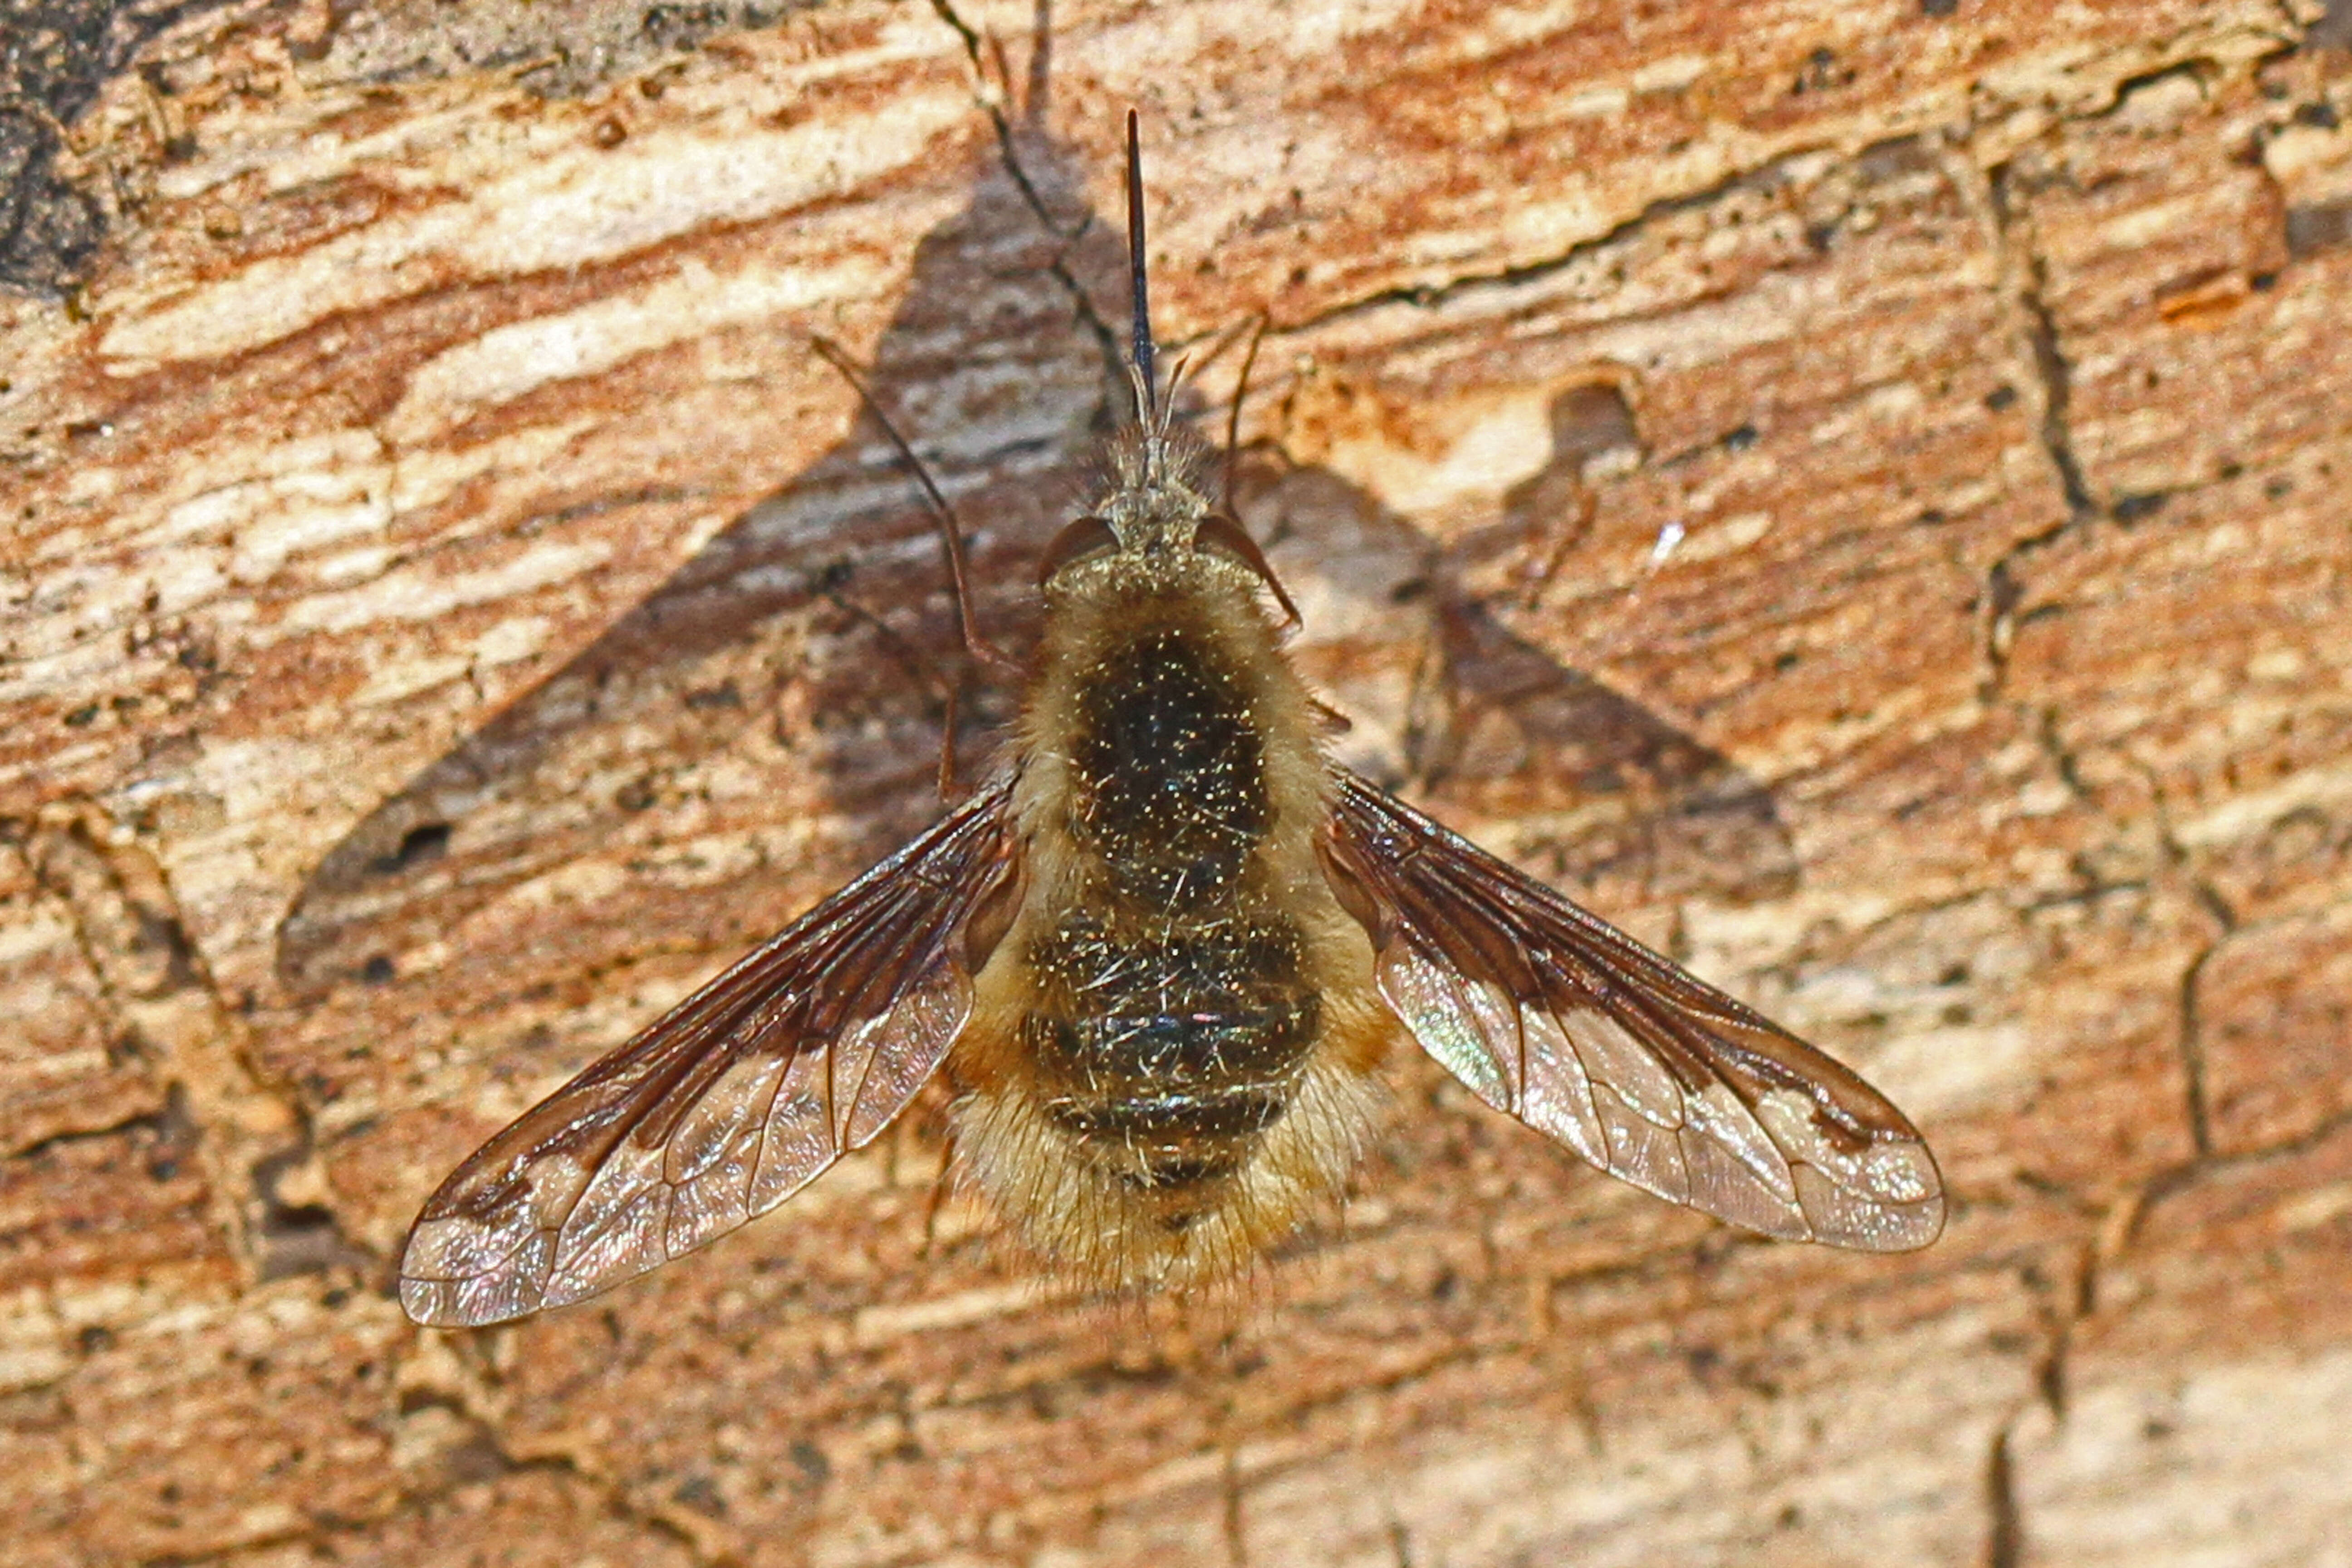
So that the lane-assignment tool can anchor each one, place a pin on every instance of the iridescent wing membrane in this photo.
(730, 1103)
(1589, 1038)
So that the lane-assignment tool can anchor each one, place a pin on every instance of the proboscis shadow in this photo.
(1004, 381)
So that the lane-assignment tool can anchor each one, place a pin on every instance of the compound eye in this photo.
(1222, 535)
(1087, 536)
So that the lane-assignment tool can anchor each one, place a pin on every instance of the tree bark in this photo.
(1852, 491)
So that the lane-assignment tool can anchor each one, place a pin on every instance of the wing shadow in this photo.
(824, 608)
(1546, 763)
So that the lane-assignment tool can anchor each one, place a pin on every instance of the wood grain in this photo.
(1853, 491)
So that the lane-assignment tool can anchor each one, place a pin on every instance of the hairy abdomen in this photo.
(1169, 1051)
(1170, 1014)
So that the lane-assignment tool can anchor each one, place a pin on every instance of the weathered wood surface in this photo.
(1857, 489)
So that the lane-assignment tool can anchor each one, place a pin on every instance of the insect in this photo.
(1160, 957)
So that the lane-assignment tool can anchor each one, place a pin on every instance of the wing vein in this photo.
(1657, 1076)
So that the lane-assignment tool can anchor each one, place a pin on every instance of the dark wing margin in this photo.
(1589, 1038)
(729, 1103)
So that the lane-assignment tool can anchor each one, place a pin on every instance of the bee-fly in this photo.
(1161, 956)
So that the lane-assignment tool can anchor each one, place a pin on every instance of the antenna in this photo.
(1149, 394)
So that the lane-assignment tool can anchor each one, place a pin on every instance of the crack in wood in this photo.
(2004, 1532)
(252, 1137)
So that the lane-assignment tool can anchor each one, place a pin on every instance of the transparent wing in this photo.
(1590, 1038)
(730, 1103)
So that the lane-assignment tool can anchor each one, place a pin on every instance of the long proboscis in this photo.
(1148, 405)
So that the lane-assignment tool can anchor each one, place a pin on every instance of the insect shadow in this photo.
(822, 617)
